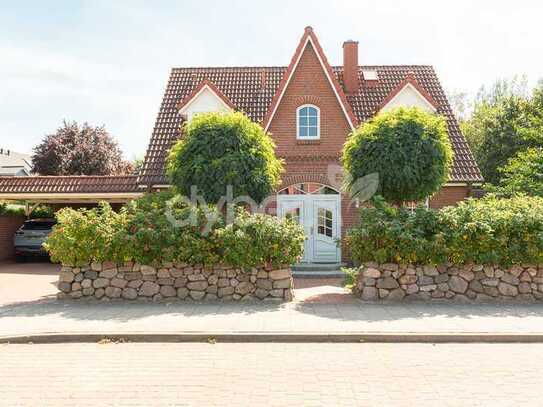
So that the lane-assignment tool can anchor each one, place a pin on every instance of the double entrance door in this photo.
(320, 217)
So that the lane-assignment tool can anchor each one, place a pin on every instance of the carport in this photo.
(60, 191)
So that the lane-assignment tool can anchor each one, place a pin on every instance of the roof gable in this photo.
(205, 97)
(309, 37)
(409, 93)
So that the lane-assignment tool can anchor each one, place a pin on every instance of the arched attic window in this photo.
(308, 122)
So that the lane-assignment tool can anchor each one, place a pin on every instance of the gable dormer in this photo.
(409, 94)
(206, 97)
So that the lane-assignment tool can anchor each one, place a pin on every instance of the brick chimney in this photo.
(350, 66)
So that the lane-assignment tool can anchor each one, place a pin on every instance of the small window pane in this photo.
(303, 131)
(303, 111)
(312, 121)
(312, 132)
(303, 121)
(311, 111)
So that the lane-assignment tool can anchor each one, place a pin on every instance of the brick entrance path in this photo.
(271, 375)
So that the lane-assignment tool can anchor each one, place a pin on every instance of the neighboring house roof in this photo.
(13, 163)
(68, 184)
(252, 89)
(8, 171)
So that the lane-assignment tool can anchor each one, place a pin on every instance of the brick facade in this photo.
(449, 195)
(8, 227)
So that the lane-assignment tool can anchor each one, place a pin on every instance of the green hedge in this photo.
(41, 211)
(156, 229)
(485, 231)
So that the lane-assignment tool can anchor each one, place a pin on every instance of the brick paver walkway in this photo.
(230, 374)
(20, 282)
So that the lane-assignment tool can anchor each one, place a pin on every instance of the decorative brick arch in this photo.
(292, 179)
(308, 100)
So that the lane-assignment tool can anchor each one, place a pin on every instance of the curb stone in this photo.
(279, 337)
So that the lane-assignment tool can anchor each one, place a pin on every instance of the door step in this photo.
(317, 270)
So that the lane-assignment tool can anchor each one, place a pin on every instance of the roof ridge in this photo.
(68, 176)
(232, 67)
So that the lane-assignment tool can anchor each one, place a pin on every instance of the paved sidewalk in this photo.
(299, 317)
(321, 306)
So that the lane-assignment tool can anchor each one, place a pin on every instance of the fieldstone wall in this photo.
(394, 282)
(132, 281)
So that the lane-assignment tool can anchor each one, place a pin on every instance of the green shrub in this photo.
(408, 148)
(163, 227)
(159, 230)
(494, 230)
(85, 235)
(11, 210)
(392, 234)
(218, 150)
(485, 231)
(40, 211)
(261, 239)
(351, 274)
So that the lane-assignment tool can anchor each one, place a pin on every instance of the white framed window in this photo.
(308, 122)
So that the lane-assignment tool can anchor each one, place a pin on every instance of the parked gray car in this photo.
(29, 238)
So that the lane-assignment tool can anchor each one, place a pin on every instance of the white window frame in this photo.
(318, 136)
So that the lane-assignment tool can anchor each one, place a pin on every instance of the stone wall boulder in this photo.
(131, 281)
(448, 282)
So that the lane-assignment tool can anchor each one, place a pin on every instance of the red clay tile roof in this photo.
(69, 184)
(243, 87)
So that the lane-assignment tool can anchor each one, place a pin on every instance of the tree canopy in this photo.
(523, 174)
(504, 121)
(218, 150)
(79, 150)
(408, 148)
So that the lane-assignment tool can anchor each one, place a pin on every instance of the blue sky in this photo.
(107, 62)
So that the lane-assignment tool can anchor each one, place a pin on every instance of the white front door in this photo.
(320, 217)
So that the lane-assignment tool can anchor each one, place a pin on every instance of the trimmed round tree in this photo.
(220, 150)
(407, 148)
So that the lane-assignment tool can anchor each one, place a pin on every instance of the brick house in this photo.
(309, 107)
